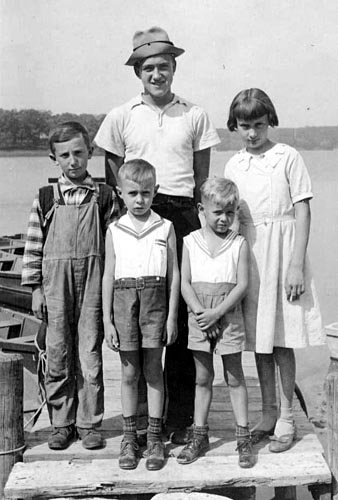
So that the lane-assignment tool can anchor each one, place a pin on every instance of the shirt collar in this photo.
(67, 185)
(138, 100)
(272, 156)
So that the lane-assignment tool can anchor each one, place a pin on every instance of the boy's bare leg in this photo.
(266, 373)
(130, 371)
(153, 373)
(203, 389)
(234, 377)
(198, 444)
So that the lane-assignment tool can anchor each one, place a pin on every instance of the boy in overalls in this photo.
(63, 263)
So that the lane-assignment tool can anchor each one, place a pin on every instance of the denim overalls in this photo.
(72, 272)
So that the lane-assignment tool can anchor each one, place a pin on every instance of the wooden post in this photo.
(332, 406)
(11, 414)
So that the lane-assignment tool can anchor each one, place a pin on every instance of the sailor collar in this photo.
(272, 156)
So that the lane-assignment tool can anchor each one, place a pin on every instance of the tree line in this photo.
(28, 129)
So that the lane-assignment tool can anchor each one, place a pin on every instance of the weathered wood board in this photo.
(77, 472)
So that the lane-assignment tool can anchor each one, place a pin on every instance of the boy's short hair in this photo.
(137, 170)
(251, 104)
(66, 131)
(219, 190)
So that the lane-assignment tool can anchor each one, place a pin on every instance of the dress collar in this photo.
(272, 156)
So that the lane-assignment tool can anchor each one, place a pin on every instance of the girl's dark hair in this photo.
(251, 104)
(65, 132)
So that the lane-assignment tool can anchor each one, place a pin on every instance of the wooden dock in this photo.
(79, 473)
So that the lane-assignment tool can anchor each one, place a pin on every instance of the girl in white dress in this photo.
(280, 309)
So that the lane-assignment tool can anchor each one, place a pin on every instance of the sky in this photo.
(69, 55)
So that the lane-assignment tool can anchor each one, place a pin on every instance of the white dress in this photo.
(269, 186)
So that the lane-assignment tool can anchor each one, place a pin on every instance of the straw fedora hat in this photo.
(152, 42)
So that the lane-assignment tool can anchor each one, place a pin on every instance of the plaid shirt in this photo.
(73, 195)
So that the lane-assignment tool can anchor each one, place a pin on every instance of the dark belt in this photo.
(178, 201)
(139, 283)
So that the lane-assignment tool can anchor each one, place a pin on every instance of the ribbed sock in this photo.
(129, 428)
(154, 429)
(242, 432)
(200, 430)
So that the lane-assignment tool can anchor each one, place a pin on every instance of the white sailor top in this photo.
(220, 268)
(141, 253)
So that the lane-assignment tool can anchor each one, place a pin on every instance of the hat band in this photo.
(155, 41)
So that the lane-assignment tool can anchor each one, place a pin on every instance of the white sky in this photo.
(69, 55)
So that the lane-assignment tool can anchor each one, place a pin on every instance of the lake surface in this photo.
(22, 176)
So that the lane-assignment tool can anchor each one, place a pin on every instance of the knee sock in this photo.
(129, 428)
(154, 429)
(242, 433)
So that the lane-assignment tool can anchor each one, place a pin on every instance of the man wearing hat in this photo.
(175, 136)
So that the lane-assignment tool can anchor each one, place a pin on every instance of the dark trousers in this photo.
(179, 363)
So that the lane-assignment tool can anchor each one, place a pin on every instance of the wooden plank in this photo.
(79, 472)
(104, 477)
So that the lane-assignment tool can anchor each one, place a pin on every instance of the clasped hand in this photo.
(207, 320)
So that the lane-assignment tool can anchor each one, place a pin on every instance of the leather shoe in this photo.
(91, 438)
(279, 444)
(196, 447)
(61, 437)
(155, 455)
(128, 455)
(246, 457)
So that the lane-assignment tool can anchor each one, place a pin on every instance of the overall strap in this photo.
(49, 197)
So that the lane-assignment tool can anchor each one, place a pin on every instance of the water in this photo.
(22, 176)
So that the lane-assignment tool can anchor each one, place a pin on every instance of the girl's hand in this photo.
(170, 332)
(207, 318)
(294, 283)
(111, 337)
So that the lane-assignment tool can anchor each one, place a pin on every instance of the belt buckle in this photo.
(140, 284)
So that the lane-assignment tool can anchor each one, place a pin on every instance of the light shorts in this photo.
(232, 336)
(140, 312)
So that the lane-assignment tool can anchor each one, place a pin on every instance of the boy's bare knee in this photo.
(204, 380)
(152, 373)
(234, 382)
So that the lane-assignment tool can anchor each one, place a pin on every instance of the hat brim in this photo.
(153, 49)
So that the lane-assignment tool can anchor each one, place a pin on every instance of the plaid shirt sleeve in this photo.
(32, 258)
